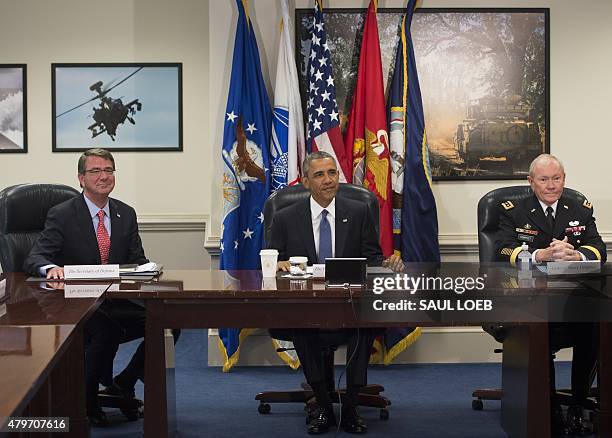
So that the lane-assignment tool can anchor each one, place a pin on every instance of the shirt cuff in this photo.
(533, 257)
(43, 270)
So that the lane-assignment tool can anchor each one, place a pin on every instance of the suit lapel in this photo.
(85, 225)
(116, 228)
(342, 227)
(305, 219)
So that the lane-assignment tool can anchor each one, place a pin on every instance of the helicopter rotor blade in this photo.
(106, 90)
(108, 84)
(78, 106)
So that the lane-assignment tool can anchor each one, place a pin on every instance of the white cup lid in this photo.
(268, 252)
(298, 259)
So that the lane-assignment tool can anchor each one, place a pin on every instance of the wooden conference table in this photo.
(41, 354)
(201, 299)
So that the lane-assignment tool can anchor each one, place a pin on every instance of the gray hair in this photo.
(544, 159)
(318, 155)
(96, 152)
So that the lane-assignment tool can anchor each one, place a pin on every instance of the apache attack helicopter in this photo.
(110, 113)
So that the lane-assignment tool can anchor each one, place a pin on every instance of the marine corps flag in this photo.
(247, 126)
(366, 138)
(415, 219)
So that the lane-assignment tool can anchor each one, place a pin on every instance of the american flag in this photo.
(323, 127)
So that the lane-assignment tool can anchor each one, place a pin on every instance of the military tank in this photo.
(498, 127)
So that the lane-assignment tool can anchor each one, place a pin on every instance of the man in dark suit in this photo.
(93, 228)
(556, 228)
(319, 227)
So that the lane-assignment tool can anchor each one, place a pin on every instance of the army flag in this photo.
(323, 127)
(415, 219)
(287, 150)
(366, 139)
(247, 126)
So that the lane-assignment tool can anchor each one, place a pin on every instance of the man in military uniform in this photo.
(556, 228)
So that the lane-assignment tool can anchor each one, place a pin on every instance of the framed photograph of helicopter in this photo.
(13, 100)
(483, 74)
(120, 106)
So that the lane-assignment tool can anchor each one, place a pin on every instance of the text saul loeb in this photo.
(412, 284)
(433, 304)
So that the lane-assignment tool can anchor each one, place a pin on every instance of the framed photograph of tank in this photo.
(121, 107)
(483, 75)
(13, 103)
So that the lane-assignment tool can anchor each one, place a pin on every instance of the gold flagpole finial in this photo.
(245, 5)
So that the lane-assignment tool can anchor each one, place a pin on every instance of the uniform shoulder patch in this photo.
(508, 205)
(507, 251)
(587, 204)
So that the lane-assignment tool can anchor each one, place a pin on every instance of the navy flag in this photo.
(410, 153)
(246, 176)
(415, 218)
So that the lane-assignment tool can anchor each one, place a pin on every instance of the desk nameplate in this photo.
(91, 272)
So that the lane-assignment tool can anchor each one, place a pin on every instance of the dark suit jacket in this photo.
(355, 234)
(525, 222)
(69, 238)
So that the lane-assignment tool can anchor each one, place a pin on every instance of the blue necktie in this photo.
(325, 243)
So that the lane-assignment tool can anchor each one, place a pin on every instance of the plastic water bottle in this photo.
(524, 258)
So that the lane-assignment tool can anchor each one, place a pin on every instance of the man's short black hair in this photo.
(318, 155)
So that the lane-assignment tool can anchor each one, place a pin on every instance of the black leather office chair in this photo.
(23, 211)
(370, 394)
(488, 225)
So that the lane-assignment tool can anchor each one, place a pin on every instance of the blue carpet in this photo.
(428, 400)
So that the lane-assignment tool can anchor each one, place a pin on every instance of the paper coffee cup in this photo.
(269, 258)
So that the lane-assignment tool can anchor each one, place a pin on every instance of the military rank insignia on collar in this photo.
(587, 204)
(508, 205)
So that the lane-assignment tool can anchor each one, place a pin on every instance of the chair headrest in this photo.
(24, 207)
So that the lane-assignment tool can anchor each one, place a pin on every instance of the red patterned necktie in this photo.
(103, 238)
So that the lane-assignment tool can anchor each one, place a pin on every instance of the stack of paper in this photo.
(150, 269)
